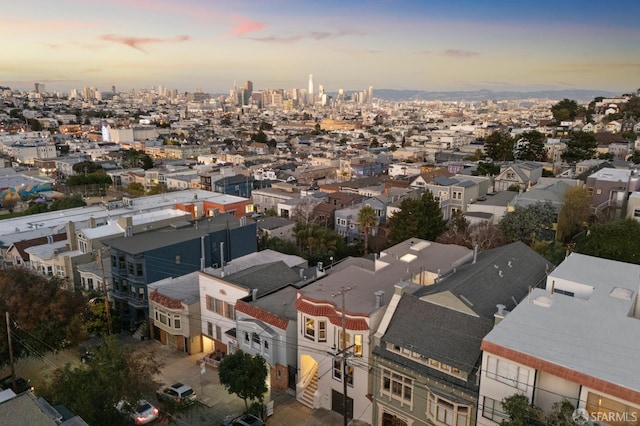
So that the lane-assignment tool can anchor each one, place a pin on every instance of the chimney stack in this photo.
(379, 295)
(499, 316)
(254, 294)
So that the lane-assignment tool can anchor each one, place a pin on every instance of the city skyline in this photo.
(417, 45)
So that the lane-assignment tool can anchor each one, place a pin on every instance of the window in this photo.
(349, 374)
(130, 268)
(397, 386)
(177, 324)
(337, 369)
(230, 311)
(492, 409)
(90, 283)
(456, 195)
(139, 269)
(209, 329)
(357, 345)
(445, 412)
(511, 175)
(508, 373)
(178, 259)
(309, 328)
(215, 305)
(266, 344)
(255, 339)
(246, 336)
(322, 331)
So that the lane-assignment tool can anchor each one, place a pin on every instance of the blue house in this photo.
(173, 251)
(238, 185)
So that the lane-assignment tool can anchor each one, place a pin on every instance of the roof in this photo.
(163, 237)
(46, 251)
(398, 263)
(27, 409)
(43, 224)
(499, 276)
(172, 292)
(272, 222)
(266, 278)
(589, 335)
(444, 334)
(113, 227)
(22, 245)
(264, 256)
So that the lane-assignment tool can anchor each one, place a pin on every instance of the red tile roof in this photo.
(165, 301)
(262, 315)
(333, 315)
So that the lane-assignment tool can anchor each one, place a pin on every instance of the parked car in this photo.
(22, 385)
(142, 414)
(178, 394)
(244, 420)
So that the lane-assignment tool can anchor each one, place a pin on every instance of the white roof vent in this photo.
(621, 293)
(542, 301)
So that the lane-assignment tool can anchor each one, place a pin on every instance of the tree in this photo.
(417, 218)
(367, 220)
(245, 375)
(46, 316)
(574, 213)
(135, 189)
(520, 412)
(487, 169)
(581, 146)
(87, 167)
(67, 203)
(529, 224)
(635, 157)
(530, 147)
(160, 188)
(134, 158)
(113, 375)
(485, 235)
(565, 110)
(499, 146)
(35, 208)
(316, 242)
(617, 240)
(34, 124)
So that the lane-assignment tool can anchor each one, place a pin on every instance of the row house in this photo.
(522, 175)
(17, 257)
(428, 375)
(174, 312)
(183, 181)
(456, 193)
(339, 314)
(609, 190)
(175, 250)
(268, 198)
(574, 340)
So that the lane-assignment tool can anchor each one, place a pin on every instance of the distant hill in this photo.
(481, 95)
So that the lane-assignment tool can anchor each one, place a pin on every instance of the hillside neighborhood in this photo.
(397, 263)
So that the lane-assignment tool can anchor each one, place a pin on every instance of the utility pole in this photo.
(13, 368)
(343, 353)
(106, 293)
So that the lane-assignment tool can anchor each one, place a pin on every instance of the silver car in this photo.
(141, 414)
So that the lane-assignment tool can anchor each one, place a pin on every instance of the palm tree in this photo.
(367, 219)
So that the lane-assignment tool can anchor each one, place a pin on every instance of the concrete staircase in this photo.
(310, 391)
(142, 332)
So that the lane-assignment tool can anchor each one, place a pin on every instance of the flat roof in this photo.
(595, 335)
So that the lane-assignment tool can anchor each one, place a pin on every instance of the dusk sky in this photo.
(347, 44)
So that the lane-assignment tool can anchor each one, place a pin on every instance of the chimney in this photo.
(379, 295)
(91, 223)
(254, 294)
(71, 236)
(499, 316)
(49, 239)
(222, 259)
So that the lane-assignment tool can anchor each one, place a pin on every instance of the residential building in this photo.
(521, 174)
(338, 315)
(609, 190)
(573, 340)
(433, 368)
(174, 312)
(173, 251)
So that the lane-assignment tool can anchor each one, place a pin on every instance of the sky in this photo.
(434, 45)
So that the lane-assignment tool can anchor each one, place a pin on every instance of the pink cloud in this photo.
(245, 26)
(137, 42)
